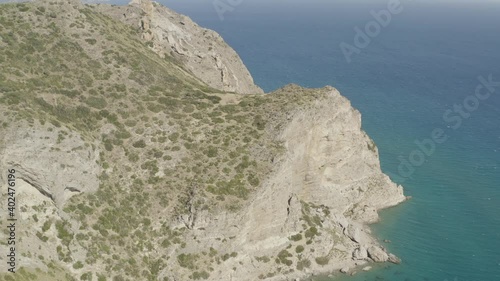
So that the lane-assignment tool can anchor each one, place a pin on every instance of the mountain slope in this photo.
(129, 167)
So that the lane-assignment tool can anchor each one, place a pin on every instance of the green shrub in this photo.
(259, 122)
(371, 146)
(253, 180)
(78, 265)
(154, 107)
(187, 260)
(63, 233)
(212, 151)
(23, 7)
(91, 41)
(174, 137)
(264, 259)
(96, 102)
(283, 258)
(86, 276)
(133, 157)
(302, 264)
(108, 145)
(189, 108)
(322, 260)
(42, 237)
(311, 232)
(299, 249)
(46, 225)
(296, 237)
(171, 103)
(213, 252)
(217, 120)
(139, 144)
(200, 275)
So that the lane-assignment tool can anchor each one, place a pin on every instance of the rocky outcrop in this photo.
(329, 180)
(201, 51)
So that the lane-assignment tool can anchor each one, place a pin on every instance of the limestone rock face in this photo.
(202, 51)
(52, 161)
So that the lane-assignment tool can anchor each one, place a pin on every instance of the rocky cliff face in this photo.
(57, 163)
(130, 167)
(200, 50)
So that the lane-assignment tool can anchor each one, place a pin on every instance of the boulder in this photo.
(392, 258)
(360, 253)
(377, 254)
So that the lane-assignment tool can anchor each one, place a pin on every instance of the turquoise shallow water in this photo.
(425, 61)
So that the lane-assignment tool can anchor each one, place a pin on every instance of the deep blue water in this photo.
(424, 62)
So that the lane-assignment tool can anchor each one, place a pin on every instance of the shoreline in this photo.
(364, 266)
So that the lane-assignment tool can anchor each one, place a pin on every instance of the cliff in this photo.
(130, 165)
(310, 213)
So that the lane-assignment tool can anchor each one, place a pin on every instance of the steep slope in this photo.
(129, 167)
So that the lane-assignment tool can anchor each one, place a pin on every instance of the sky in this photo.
(209, 7)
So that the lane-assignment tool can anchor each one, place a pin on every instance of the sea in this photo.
(425, 76)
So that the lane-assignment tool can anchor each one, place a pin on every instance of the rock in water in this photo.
(377, 254)
(394, 259)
